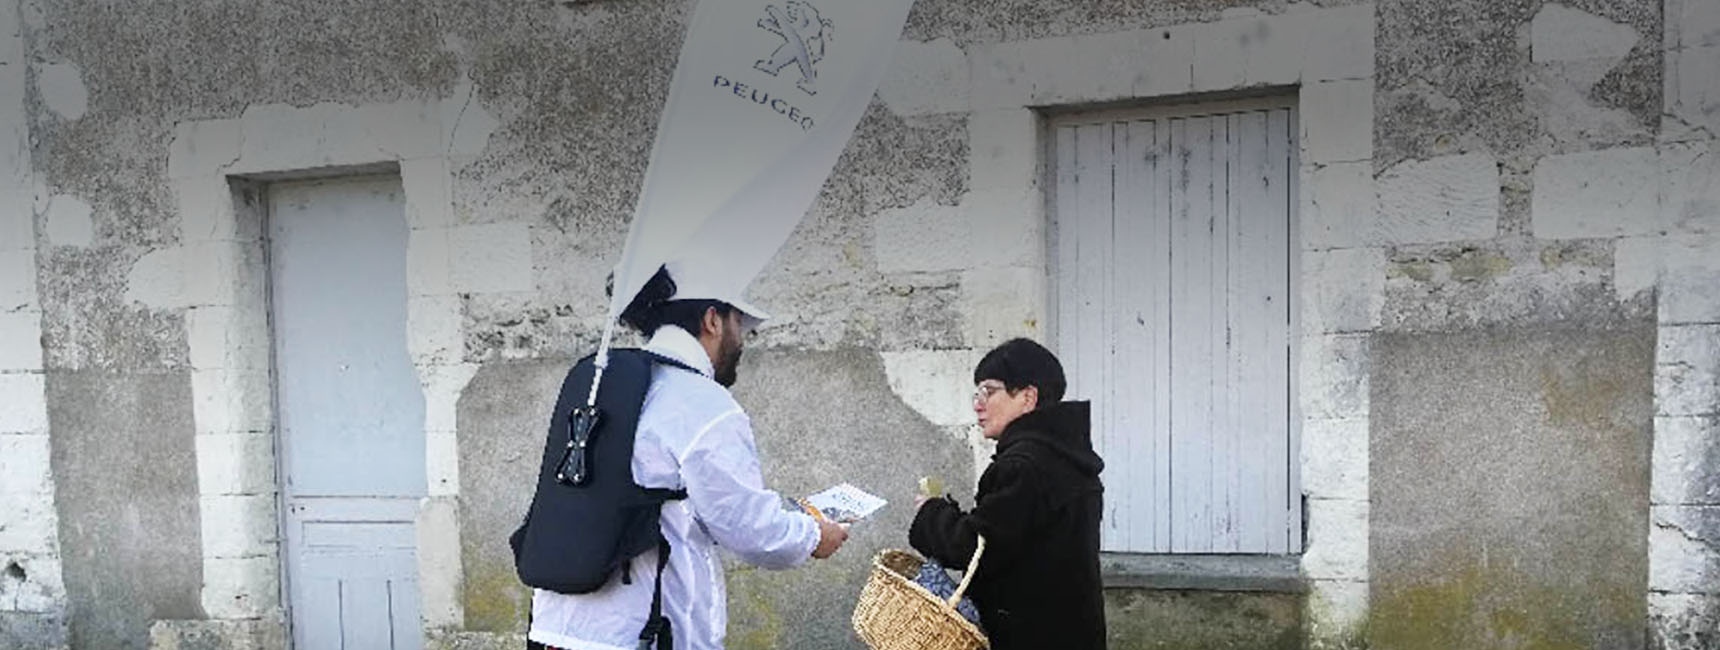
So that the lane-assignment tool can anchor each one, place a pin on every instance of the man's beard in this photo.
(727, 367)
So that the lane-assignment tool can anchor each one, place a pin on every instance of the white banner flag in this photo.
(764, 98)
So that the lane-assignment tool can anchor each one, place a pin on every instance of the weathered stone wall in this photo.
(123, 118)
(1538, 172)
(1684, 263)
(32, 591)
(128, 507)
(130, 104)
(1537, 168)
(1510, 486)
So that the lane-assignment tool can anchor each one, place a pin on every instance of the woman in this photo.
(1038, 506)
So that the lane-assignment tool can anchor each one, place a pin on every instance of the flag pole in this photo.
(618, 283)
(602, 360)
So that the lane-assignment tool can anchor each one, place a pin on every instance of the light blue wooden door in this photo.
(1173, 314)
(355, 578)
(351, 413)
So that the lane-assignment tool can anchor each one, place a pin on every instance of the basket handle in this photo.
(967, 576)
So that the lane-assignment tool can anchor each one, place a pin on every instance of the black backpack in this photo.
(588, 518)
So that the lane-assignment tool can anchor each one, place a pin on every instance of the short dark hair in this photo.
(1020, 363)
(653, 307)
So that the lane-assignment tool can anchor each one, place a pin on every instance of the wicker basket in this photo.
(896, 613)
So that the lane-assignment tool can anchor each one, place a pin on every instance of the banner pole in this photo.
(601, 362)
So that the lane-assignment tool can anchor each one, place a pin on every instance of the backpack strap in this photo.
(670, 361)
(657, 630)
(666, 494)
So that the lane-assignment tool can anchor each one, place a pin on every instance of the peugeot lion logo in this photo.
(804, 35)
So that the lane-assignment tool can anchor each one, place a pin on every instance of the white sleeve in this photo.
(726, 490)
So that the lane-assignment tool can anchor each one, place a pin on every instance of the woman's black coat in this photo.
(1038, 506)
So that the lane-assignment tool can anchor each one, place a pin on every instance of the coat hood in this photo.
(1064, 427)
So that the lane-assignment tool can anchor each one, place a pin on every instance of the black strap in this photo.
(658, 632)
(671, 361)
(665, 494)
(657, 629)
(530, 644)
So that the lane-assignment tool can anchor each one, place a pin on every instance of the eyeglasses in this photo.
(984, 392)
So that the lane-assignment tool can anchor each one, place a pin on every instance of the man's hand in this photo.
(830, 537)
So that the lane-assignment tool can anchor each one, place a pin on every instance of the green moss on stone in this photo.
(495, 601)
(1191, 620)
(1418, 270)
(1475, 266)
(754, 622)
(1471, 606)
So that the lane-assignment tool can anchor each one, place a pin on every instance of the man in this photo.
(693, 436)
(1038, 506)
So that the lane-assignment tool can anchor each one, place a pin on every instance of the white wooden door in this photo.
(351, 413)
(1173, 314)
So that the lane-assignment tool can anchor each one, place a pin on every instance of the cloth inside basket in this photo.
(933, 577)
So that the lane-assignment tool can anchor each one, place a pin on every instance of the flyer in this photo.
(843, 504)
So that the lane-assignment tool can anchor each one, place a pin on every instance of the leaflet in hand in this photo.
(844, 504)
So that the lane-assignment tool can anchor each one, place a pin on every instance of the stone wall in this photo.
(1509, 234)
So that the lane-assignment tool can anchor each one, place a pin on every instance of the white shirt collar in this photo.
(673, 342)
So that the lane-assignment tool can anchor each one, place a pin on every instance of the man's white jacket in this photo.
(694, 436)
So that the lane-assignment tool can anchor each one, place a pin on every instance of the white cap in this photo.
(699, 286)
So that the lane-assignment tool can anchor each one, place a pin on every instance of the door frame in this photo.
(211, 163)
